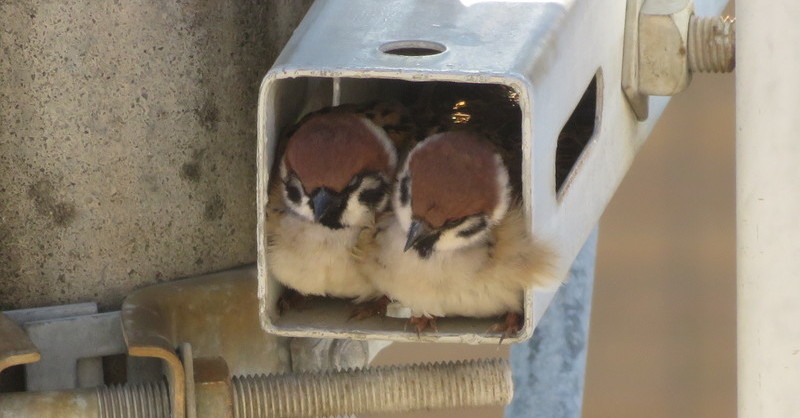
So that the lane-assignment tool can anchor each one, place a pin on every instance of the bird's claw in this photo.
(423, 323)
(291, 299)
(367, 310)
(510, 327)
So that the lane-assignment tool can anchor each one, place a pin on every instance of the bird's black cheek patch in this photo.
(331, 222)
(404, 195)
(474, 229)
(424, 247)
(372, 197)
(293, 193)
(333, 218)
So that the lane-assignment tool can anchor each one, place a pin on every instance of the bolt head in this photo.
(663, 46)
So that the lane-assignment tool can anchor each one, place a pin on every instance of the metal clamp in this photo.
(217, 315)
(206, 332)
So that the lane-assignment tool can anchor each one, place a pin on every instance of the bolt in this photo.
(375, 389)
(331, 393)
(665, 43)
(711, 44)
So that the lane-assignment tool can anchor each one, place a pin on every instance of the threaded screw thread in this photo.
(375, 389)
(143, 400)
(712, 44)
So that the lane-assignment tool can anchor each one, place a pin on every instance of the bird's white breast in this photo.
(316, 260)
(449, 283)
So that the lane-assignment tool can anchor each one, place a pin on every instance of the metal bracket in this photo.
(53, 370)
(72, 349)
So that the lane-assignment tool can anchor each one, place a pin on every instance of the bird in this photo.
(457, 243)
(335, 173)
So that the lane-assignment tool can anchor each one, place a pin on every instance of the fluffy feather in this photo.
(315, 260)
(484, 280)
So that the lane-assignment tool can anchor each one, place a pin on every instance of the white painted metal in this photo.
(768, 208)
(547, 51)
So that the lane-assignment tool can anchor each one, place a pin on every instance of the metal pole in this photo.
(548, 369)
(768, 208)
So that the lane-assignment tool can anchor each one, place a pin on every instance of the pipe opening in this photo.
(409, 111)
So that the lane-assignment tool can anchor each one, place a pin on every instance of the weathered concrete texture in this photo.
(549, 368)
(127, 141)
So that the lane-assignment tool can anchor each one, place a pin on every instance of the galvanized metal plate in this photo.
(548, 52)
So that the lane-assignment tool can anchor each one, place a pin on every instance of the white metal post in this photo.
(768, 208)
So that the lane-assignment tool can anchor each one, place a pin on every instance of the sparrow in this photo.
(335, 174)
(457, 243)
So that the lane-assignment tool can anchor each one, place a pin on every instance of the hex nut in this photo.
(663, 39)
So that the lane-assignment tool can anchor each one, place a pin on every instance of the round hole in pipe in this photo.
(412, 48)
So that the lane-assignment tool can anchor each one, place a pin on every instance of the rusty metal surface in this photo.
(81, 403)
(15, 346)
(416, 387)
(217, 314)
(213, 391)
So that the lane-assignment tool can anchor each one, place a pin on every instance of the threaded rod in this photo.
(334, 393)
(375, 389)
(143, 400)
(712, 44)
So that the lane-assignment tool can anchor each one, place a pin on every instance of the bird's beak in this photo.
(324, 201)
(419, 230)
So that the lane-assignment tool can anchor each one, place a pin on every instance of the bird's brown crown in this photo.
(329, 149)
(454, 175)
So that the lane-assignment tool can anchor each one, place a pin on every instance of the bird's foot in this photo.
(509, 327)
(423, 323)
(369, 309)
(291, 299)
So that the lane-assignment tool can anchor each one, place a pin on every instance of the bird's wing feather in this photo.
(518, 257)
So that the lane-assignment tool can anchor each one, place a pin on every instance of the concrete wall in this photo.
(127, 141)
